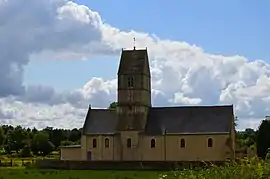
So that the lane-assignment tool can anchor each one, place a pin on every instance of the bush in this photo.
(245, 169)
(26, 152)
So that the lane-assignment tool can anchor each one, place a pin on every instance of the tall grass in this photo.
(245, 169)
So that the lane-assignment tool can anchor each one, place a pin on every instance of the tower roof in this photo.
(133, 61)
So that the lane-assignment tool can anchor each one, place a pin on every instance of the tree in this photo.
(263, 139)
(57, 136)
(26, 151)
(41, 144)
(7, 128)
(46, 148)
(2, 137)
(67, 143)
(15, 139)
(113, 105)
(74, 135)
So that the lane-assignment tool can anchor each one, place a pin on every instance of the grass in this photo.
(73, 174)
(247, 169)
(18, 161)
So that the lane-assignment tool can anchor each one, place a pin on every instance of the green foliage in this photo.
(253, 147)
(246, 139)
(246, 169)
(67, 143)
(2, 137)
(26, 151)
(113, 105)
(16, 138)
(267, 157)
(41, 144)
(263, 139)
(74, 135)
(253, 168)
(17, 141)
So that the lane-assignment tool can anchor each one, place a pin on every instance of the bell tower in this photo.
(134, 90)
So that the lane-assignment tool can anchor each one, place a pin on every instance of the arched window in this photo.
(182, 143)
(153, 143)
(94, 143)
(107, 143)
(129, 143)
(210, 142)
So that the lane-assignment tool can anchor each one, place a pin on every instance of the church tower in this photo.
(134, 90)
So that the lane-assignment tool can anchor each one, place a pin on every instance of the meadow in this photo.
(246, 169)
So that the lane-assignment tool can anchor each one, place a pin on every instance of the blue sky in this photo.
(232, 65)
(220, 27)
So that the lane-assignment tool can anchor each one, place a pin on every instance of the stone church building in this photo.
(136, 131)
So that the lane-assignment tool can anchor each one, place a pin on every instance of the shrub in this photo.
(245, 169)
(26, 152)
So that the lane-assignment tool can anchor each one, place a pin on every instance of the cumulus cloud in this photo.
(40, 115)
(182, 74)
(55, 29)
(97, 90)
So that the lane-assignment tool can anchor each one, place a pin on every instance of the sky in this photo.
(59, 56)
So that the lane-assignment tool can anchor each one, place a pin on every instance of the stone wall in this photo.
(117, 165)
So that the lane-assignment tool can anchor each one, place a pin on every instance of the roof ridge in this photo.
(189, 106)
(132, 49)
(103, 109)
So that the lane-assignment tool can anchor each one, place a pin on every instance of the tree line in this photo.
(26, 142)
(257, 139)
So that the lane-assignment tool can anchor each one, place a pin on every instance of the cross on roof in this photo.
(134, 43)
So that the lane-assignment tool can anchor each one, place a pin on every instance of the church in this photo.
(137, 131)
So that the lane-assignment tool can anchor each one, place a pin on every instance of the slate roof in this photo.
(169, 120)
(133, 61)
(100, 121)
(189, 119)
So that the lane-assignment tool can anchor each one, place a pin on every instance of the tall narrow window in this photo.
(129, 143)
(94, 143)
(182, 143)
(210, 142)
(107, 143)
(153, 143)
(130, 82)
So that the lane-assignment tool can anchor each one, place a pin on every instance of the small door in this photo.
(89, 155)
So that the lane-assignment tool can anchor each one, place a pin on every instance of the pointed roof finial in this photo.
(134, 41)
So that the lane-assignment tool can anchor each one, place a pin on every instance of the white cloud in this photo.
(60, 30)
(40, 115)
(55, 28)
(180, 98)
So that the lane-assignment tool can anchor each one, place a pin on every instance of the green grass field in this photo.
(73, 174)
(247, 169)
